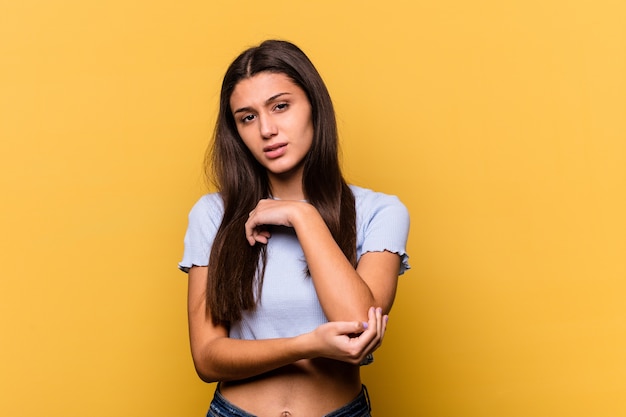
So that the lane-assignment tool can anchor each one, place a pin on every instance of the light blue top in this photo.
(289, 305)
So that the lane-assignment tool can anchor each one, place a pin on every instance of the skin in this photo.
(317, 372)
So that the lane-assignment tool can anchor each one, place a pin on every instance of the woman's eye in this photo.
(247, 118)
(281, 106)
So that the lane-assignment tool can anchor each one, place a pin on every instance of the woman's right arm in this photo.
(217, 357)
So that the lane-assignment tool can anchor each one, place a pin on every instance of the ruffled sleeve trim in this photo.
(204, 219)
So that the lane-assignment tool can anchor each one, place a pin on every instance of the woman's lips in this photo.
(275, 151)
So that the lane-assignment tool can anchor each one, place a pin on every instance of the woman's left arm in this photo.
(345, 293)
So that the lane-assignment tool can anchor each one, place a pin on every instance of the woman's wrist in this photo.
(304, 213)
(304, 345)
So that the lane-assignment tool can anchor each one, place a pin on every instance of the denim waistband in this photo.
(359, 407)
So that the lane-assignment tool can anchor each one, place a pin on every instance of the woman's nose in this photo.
(268, 127)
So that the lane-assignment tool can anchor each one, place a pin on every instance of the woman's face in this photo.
(273, 117)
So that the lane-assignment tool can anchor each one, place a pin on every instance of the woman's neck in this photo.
(287, 188)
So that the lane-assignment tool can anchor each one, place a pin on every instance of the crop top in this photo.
(288, 305)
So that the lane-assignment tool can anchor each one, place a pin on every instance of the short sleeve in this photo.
(382, 225)
(205, 218)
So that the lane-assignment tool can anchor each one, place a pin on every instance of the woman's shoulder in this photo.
(365, 197)
(383, 223)
(384, 207)
(209, 204)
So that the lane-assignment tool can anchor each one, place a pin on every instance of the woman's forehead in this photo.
(262, 87)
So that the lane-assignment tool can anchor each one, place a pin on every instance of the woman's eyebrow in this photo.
(274, 97)
(269, 100)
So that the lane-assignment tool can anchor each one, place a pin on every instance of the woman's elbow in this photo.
(205, 372)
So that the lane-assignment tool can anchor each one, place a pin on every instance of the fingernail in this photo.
(365, 325)
(386, 319)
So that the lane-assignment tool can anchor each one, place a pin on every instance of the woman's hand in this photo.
(350, 341)
(271, 212)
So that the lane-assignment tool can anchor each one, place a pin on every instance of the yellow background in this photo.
(500, 124)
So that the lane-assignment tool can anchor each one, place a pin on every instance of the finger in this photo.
(372, 325)
(253, 231)
(261, 235)
(379, 320)
(385, 321)
(381, 336)
(350, 327)
(260, 238)
(377, 315)
(372, 321)
(250, 236)
(254, 236)
(248, 229)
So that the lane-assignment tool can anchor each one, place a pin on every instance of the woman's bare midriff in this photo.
(307, 388)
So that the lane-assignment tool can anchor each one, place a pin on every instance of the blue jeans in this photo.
(359, 407)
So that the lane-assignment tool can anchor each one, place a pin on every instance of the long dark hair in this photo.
(236, 269)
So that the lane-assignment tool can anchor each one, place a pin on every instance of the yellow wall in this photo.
(500, 124)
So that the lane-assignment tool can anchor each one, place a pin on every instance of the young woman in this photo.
(291, 271)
